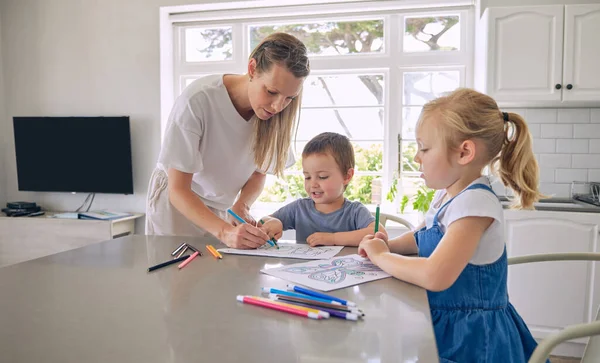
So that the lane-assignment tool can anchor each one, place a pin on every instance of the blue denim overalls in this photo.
(473, 320)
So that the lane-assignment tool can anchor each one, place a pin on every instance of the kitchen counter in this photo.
(99, 304)
(558, 205)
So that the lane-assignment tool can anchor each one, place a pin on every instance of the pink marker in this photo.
(182, 265)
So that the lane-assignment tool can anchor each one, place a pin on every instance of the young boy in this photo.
(325, 217)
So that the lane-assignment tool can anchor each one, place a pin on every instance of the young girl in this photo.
(461, 251)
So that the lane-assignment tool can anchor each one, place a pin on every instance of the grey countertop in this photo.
(99, 304)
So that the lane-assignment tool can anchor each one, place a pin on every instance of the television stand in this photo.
(26, 238)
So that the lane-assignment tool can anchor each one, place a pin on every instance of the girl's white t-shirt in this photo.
(207, 137)
(473, 203)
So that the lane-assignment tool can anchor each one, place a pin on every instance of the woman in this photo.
(224, 132)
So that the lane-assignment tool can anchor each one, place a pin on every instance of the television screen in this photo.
(73, 154)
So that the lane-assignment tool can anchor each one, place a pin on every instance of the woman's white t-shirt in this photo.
(207, 137)
(473, 203)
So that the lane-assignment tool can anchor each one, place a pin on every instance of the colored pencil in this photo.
(312, 309)
(184, 263)
(253, 301)
(178, 249)
(164, 264)
(332, 312)
(270, 290)
(377, 218)
(214, 252)
(241, 220)
(194, 249)
(185, 248)
(319, 304)
(302, 290)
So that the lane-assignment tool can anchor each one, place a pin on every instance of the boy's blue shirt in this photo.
(302, 216)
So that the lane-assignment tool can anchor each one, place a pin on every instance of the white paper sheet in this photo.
(289, 250)
(327, 275)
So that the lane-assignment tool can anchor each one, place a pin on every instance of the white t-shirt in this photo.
(207, 137)
(473, 203)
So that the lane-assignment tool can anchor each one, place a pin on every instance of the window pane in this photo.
(368, 156)
(355, 123)
(421, 87)
(367, 90)
(365, 189)
(424, 34)
(208, 44)
(410, 116)
(409, 150)
(329, 38)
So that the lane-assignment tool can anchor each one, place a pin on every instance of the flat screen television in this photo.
(74, 154)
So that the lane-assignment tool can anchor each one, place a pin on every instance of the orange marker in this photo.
(214, 252)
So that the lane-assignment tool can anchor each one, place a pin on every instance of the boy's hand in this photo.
(373, 246)
(321, 239)
(272, 227)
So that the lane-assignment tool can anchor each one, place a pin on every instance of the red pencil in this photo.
(265, 304)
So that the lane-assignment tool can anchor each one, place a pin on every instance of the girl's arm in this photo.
(405, 244)
(440, 270)
(351, 238)
(189, 204)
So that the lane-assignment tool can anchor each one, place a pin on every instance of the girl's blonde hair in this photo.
(467, 114)
(273, 137)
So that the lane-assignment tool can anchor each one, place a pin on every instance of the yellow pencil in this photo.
(213, 251)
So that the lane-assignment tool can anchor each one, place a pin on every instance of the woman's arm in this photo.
(191, 206)
(440, 270)
(248, 195)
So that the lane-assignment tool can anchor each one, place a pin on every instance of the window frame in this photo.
(392, 62)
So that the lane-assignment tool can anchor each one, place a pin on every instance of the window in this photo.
(373, 66)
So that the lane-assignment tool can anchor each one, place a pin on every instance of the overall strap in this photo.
(470, 187)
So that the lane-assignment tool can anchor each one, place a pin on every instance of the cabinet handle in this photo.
(558, 86)
(569, 86)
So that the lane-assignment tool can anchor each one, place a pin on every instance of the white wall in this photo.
(73, 57)
(4, 135)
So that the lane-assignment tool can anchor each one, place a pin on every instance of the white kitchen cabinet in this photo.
(539, 55)
(552, 295)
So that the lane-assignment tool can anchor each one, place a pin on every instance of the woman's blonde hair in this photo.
(273, 137)
(467, 114)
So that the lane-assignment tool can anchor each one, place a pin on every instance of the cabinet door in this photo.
(525, 53)
(552, 295)
(582, 53)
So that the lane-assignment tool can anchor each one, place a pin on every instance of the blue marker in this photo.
(271, 290)
(239, 219)
(302, 290)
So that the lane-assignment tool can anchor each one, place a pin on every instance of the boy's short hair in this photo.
(339, 146)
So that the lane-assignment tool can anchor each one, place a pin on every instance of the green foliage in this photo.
(420, 201)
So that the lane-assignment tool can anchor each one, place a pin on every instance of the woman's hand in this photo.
(373, 246)
(243, 236)
(273, 228)
(242, 210)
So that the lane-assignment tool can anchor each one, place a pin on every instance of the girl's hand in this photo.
(244, 236)
(242, 210)
(373, 246)
(321, 239)
(272, 227)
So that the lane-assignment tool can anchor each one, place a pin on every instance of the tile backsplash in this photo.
(566, 143)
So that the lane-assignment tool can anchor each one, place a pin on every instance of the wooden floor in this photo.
(555, 359)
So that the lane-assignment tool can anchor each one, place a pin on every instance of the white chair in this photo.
(384, 217)
(543, 350)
